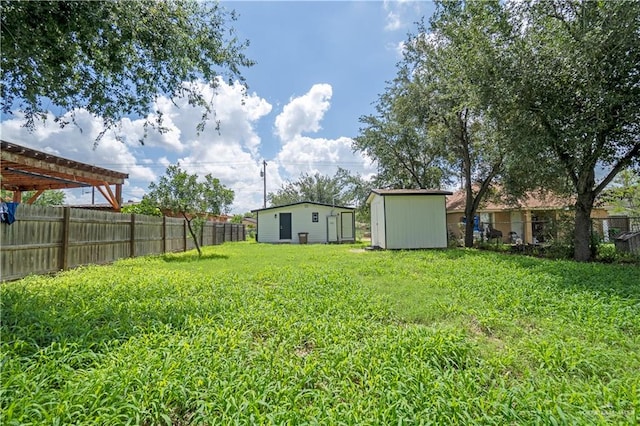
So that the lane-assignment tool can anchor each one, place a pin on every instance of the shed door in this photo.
(347, 225)
(375, 232)
(285, 226)
(332, 229)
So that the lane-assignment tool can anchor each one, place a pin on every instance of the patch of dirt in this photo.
(304, 350)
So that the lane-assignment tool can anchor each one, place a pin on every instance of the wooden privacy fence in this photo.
(47, 239)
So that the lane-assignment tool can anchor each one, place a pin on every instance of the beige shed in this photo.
(408, 218)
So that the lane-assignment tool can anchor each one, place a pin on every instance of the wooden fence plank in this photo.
(132, 236)
(64, 264)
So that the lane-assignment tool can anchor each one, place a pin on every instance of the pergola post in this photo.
(119, 195)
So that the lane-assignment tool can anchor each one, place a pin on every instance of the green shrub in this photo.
(607, 253)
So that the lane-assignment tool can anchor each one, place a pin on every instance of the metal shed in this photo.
(305, 222)
(408, 218)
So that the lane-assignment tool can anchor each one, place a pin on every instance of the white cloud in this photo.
(303, 114)
(393, 22)
(310, 155)
(401, 14)
(304, 154)
(76, 142)
(230, 154)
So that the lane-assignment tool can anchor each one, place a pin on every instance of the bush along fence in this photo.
(49, 239)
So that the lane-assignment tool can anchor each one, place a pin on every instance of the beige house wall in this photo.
(453, 224)
(502, 222)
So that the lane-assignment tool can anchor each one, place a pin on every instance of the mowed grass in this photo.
(263, 334)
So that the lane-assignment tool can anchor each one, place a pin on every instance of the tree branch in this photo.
(620, 165)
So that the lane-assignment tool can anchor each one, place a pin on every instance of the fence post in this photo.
(164, 234)
(64, 261)
(132, 240)
(184, 233)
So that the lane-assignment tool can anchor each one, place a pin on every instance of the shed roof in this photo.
(391, 192)
(303, 202)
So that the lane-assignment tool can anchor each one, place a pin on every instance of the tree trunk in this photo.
(582, 236)
(468, 226)
(193, 235)
(468, 232)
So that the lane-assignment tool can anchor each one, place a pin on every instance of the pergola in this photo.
(25, 169)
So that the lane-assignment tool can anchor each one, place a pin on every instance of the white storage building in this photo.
(408, 218)
(322, 223)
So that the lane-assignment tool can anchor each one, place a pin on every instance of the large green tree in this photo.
(576, 75)
(397, 138)
(461, 50)
(309, 187)
(183, 193)
(113, 58)
(431, 124)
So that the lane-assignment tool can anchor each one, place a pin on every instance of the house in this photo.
(251, 222)
(408, 218)
(305, 222)
(532, 218)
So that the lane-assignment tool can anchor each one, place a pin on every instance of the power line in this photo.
(228, 163)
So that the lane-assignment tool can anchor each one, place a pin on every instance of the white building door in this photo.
(375, 230)
(347, 226)
(332, 229)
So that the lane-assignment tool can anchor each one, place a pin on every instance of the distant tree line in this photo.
(342, 189)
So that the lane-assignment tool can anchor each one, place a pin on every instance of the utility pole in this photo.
(263, 174)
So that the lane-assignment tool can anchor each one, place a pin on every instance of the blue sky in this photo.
(320, 66)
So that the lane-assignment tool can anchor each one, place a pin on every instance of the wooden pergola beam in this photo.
(26, 169)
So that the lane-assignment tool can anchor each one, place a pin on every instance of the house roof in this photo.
(530, 201)
(303, 202)
(391, 192)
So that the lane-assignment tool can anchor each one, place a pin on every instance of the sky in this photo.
(320, 66)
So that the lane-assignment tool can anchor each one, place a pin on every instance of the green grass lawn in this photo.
(266, 334)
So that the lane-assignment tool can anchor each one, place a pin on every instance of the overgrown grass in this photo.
(256, 334)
